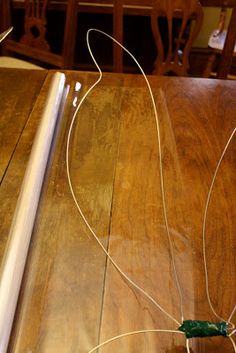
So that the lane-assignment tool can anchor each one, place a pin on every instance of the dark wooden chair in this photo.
(222, 46)
(173, 51)
(33, 43)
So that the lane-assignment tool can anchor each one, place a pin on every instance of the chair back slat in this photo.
(33, 43)
(227, 55)
(174, 58)
(35, 25)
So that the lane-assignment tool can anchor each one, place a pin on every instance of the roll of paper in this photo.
(14, 259)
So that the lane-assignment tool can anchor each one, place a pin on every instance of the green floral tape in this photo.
(197, 328)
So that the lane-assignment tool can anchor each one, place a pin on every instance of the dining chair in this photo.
(222, 45)
(174, 48)
(33, 44)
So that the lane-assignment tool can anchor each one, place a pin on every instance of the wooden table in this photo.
(71, 295)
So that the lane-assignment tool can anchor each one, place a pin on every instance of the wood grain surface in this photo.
(71, 296)
(17, 101)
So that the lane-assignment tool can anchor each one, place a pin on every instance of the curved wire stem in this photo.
(232, 333)
(131, 334)
(160, 155)
(204, 231)
(187, 346)
(129, 280)
(231, 315)
(161, 173)
(233, 343)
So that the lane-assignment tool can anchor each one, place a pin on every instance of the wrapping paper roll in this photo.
(23, 221)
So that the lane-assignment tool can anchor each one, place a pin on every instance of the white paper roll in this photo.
(21, 228)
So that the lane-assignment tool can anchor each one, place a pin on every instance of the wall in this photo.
(211, 19)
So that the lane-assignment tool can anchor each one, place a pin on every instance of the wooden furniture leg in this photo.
(70, 34)
(227, 55)
(209, 67)
(118, 35)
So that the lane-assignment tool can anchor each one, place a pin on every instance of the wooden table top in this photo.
(71, 296)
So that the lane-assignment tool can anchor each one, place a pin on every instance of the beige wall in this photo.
(211, 18)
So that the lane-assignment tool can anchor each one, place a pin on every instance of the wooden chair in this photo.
(173, 54)
(222, 44)
(33, 44)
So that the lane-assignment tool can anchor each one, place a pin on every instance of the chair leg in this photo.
(70, 34)
(118, 34)
(209, 66)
